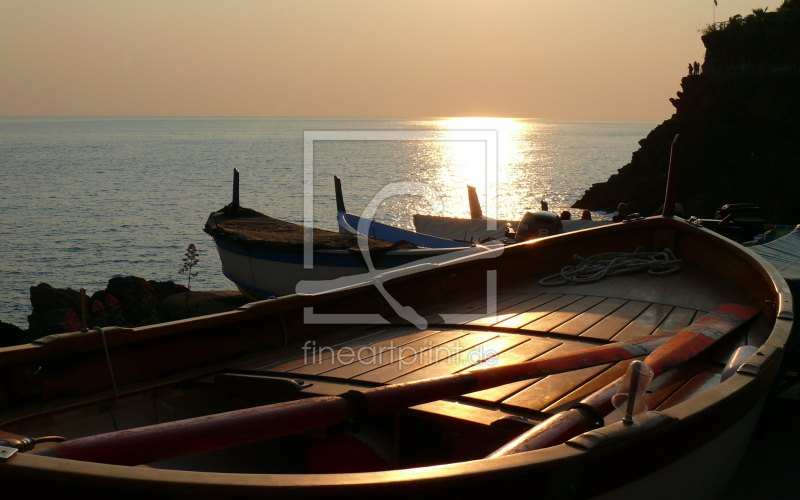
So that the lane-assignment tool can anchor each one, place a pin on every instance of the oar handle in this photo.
(207, 433)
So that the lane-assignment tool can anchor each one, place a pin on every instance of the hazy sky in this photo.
(583, 59)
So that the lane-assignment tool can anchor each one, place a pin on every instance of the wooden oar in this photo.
(685, 345)
(185, 437)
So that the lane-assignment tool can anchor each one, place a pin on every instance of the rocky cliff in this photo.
(739, 126)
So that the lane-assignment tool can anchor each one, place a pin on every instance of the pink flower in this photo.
(111, 301)
(71, 321)
(97, 305)
(71, 326)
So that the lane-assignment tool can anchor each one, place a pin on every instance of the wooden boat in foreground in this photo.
(341, 343)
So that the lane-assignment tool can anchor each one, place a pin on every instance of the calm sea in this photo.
(87, 199)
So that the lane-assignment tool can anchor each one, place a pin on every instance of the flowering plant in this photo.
(189, 261)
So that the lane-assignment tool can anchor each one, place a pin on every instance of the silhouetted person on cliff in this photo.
(696, 68)
(690, 69)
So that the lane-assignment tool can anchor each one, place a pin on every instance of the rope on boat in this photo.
(597, 267)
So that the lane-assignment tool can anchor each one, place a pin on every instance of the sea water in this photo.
(87, 199)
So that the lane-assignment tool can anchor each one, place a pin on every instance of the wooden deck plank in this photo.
(354, 368)
(691, 288)
(424, 357)
(681, 285)
(352, 336)
(523, 318)
(468, 310)
(563, 315)
(324, 360)
(546, 391)
(644, 324)
(589, 387)
(531, 349)
(676, 320)
(509, 312)
(616, 321)
(586, 320)
(466, 358)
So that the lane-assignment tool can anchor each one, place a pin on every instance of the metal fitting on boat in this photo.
(27, 443)
(630, 394)
(24, 444)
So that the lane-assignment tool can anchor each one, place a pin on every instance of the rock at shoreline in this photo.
(738, 120)
(203, 303)
(131, 301)
(126, 302)
(49, 307)
(12, 335)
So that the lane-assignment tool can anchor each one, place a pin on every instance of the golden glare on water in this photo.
(454, 164)
(536, 160)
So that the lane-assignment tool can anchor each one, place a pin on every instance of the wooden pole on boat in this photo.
(223, 430)
(672, 179)
(475, 210)
(337, 186)
(684, 346)
(235, 200)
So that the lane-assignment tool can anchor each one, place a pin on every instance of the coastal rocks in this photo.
(131, 301)
(128, 301)
(191, 304)
(11, 335)
(49, 307)
(738, 122)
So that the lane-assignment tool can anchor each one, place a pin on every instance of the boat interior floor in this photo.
(525, 321)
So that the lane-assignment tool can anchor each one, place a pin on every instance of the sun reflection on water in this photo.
(452, 165)
(537, 160)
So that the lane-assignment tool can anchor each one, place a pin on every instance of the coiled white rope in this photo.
(599, 266)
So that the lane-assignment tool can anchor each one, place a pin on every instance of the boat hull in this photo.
(264, 273)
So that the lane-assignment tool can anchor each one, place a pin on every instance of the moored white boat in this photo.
(479, 227)
(267, 257)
